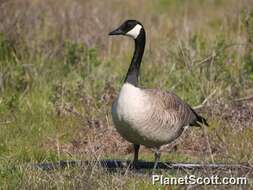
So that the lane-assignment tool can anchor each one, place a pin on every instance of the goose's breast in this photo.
(131, 105)
(129, 113)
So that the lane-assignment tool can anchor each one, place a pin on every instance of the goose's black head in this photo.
(132, 28)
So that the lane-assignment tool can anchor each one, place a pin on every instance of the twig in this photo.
(244, 99)
(200, 62)
(205, 100)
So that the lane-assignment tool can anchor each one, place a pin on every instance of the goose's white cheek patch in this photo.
(135, 31)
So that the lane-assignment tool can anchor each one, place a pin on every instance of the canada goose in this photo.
(149, 117)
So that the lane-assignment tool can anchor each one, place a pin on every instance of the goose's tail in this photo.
(199, 120)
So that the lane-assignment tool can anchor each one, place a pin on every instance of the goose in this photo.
(149, 117)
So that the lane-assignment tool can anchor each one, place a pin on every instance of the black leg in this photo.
(136, 152)
(133, 164)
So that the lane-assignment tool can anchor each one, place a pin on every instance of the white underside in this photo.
(130, 104)
(128, 111)
(131, 115)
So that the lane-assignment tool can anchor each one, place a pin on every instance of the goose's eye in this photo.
(128, 25)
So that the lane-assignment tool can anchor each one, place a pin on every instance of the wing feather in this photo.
(172, 110)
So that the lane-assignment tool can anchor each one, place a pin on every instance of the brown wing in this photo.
(171, 109)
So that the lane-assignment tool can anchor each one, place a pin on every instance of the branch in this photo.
(205, 100)
(244, 99)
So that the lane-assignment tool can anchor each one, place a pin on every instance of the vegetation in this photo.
(59, 73)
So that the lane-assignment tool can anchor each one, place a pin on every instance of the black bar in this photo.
(119, 164)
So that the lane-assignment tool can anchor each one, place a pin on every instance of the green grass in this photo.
(59, 76)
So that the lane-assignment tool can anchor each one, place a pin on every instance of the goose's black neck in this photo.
(134, 68)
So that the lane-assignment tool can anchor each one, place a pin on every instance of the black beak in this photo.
(117, 31)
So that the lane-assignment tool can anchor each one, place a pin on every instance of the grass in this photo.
(59, 73)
